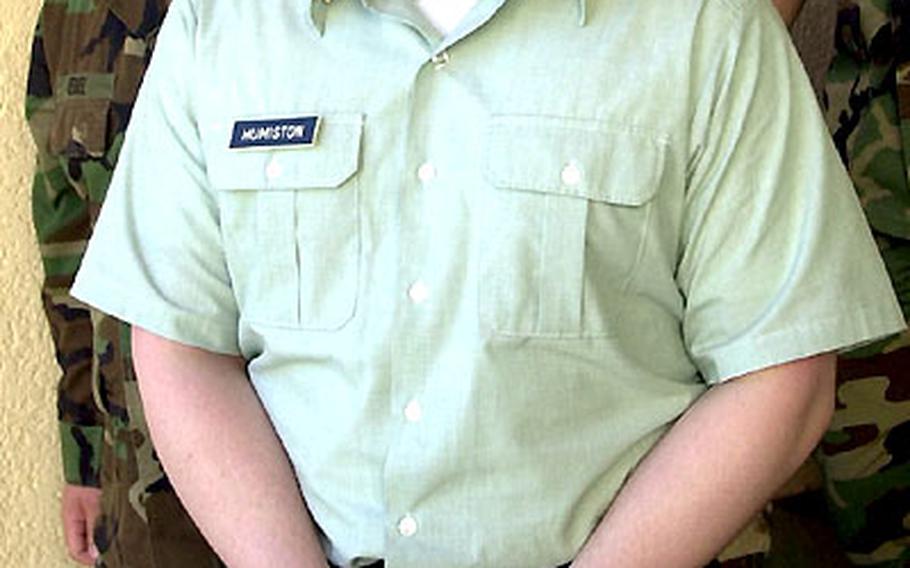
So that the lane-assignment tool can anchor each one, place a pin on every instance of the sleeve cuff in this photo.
(81, 446)
(839, 333)
(158, 316)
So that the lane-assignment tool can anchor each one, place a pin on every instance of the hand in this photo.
(80, 508)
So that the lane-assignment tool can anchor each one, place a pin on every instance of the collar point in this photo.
(315, 15)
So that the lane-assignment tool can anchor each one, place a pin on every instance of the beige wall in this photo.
(30, 533)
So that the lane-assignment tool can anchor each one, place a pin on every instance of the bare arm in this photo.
(788, 9)
(715, 468)
(223, 456)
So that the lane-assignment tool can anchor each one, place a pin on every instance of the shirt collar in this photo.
(314, 10)
(315, 14)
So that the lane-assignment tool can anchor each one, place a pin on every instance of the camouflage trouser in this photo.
(143, 524)
(750, 561)
(125, 540)
(866, 458)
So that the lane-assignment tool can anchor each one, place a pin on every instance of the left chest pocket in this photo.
(568, 213)
(290, 223)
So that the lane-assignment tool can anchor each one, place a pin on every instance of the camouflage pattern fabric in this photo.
(88, 59)
(751, 546)
(866, 454)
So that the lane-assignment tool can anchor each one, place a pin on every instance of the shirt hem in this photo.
(839, 333)
(195, 330)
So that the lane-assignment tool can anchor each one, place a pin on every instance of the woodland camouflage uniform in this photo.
(866, 454)
(88, 60)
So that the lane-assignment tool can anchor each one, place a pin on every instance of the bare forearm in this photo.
(715, 468)
(222, 455)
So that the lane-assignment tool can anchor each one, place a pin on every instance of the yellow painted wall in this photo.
(30, 533)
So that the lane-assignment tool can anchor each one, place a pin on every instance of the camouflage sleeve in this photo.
(62, 223)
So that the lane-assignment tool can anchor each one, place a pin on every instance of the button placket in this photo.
(426, 172)
(273, 169)
(571, 174)
(413, 412)
(407, 526)
(419, 292)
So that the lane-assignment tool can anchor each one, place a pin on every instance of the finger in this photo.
(92, 507)
(77, 545)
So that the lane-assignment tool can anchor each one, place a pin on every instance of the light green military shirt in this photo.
(476, 277)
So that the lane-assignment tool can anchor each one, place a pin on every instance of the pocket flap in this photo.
(331, 160)
(574, 157)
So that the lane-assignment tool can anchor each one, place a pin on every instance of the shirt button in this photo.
(273, 170)
(427, 172)
(413, 412)
(407, 526)
(571, 174)
(419, 292)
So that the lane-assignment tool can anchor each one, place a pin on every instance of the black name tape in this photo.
(275, 133)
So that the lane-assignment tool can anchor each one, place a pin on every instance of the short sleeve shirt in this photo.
(477, 276)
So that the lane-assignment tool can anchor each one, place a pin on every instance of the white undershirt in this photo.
(445, 15)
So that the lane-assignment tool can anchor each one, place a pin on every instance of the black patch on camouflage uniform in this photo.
(151, 18)
(856, 436)
(882, 46)
(103, 535)
(113, 409)
(107, 358)
(884, 522)
(147, 29)
(850, 40)
(114, 32)
(69, 359)
(162, 484)
(893, 365)
(39, 78)
(86, 455)
(898, 445)
(122, 112)
(68, 313)
(74, 164)
(901, 11)
(76, 413)
(750, 561)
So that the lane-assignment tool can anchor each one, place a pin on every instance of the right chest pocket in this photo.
(290, 223)
(565, 224)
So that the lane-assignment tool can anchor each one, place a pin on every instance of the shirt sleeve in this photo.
(155, 259)
(777, 260)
